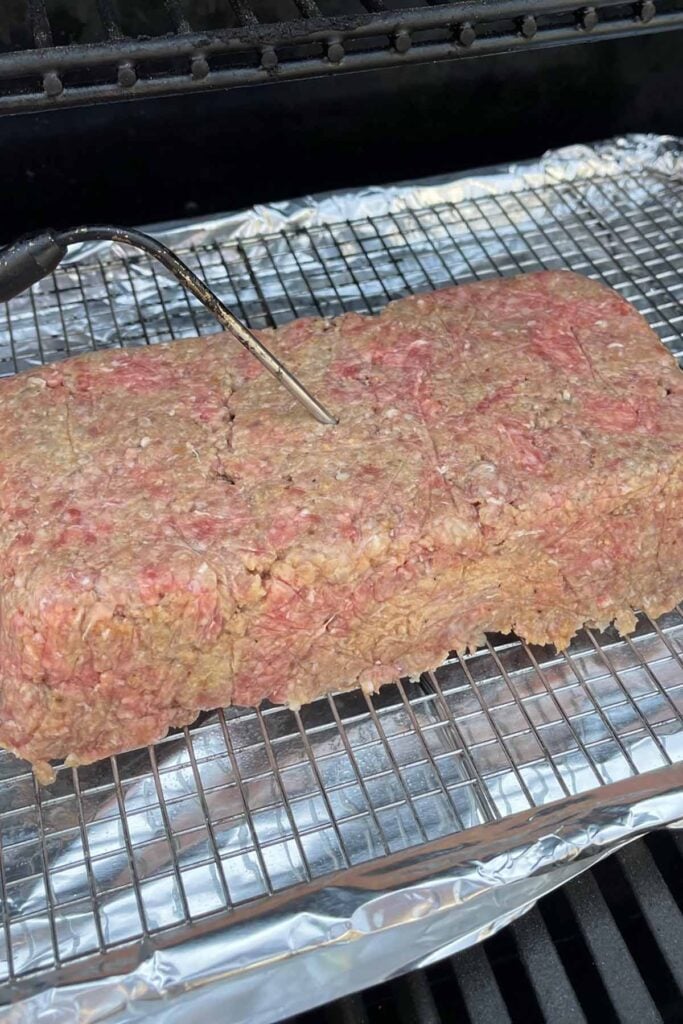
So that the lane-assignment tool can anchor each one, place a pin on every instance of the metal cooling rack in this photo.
(155, 845)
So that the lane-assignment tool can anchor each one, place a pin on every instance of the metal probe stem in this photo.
(140, 240)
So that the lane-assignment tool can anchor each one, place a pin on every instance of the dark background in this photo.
(151, 160)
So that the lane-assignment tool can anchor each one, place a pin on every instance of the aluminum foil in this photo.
(282, 861)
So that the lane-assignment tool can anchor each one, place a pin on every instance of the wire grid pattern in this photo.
(246, 803)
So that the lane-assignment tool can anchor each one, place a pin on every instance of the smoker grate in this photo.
(155, 845)
(54, 55)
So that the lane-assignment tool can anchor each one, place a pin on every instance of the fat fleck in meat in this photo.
(177, 534)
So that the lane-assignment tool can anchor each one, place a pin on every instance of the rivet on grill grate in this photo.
(335, 52)
(527, 26)
(465, 34)
(52, 84)
(402, 41)
(199, 67)
(126, 76)
(588, 19)
(269, 58)
(646, 10)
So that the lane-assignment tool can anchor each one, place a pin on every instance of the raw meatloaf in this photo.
(177, 533)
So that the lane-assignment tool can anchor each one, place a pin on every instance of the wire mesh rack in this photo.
(246, 804)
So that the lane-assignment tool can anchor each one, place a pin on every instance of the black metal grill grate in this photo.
(54, 53)
(608, 947)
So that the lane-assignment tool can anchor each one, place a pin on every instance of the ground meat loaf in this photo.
(177, 533)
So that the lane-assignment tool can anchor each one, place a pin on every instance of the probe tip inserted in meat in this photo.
(30, 259)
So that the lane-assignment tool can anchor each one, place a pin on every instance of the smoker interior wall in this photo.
(151, 160)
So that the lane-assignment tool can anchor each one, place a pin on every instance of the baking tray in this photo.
(278, 859)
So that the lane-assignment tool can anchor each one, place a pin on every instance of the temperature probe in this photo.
(33, 257)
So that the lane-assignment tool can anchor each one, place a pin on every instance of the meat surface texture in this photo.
(178, 534)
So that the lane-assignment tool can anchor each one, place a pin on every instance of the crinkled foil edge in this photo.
(660, 153)
(370, 923)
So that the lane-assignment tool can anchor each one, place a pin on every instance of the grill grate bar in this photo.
(657, 906)
(673, 325)
(544, 967)
(5, 913)
(472, 272)
(407, 285)
(349, 1010)
(40, 340)
(117, 323)
(667, 849)
(433, 252)
(645, 216)
(502, 238)
(310, 293)
(308, 8)
(157, 280)
(479, 987)
(624, 983)
(12, 345)
(676, 655)
(244, 13)
(297, 44)
(40, 23)
(109, 19)
(415, 999)
(178, 16)
(254, 282)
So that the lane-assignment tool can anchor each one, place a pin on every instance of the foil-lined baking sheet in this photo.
(270, 860)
